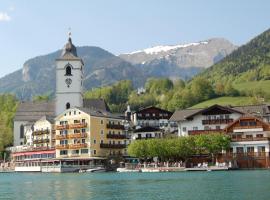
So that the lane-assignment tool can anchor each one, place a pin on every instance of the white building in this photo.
(198, 121)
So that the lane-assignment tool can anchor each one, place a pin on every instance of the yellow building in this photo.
(86, 133)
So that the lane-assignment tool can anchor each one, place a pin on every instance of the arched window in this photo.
(22, 131)
(68, 71)
(68, 106)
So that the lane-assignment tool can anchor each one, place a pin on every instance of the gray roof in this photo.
(181, 115)
(69, 52)
(100, 113)
(33, 111)
(257, 110)
(97, 104)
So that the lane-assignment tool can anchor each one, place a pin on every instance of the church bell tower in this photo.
(69, 79)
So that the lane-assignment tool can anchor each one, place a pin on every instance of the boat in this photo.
(150, 170)
(97, 169)
(120, 169)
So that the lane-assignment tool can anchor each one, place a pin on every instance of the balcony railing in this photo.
(77, 125)
(60, 137)
(216, 121)
(115, 126)
(62, 127)
(77, 146)
(61, 146)
(250, 139)
(41, 132)
(77, 135)
(246, 127)
(198, 132)
(113, 146)
(40, 141)
(248, 154)
(115, 136)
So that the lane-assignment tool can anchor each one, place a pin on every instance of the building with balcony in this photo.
(43, 132)
(203, 121)
(146, 133)
(153, 117)
(88, 133)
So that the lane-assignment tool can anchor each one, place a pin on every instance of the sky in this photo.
(29, 28)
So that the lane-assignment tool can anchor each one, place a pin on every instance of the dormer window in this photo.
(68, 71)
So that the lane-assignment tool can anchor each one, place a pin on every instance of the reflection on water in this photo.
(182, 185)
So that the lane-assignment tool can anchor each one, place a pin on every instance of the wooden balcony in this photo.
(115, 136)
(77, 146)
(247, 127)
(198, 132)
(40, 141)
(61, 137)
(77, 125)
(250, 139)
(248, 154)
(41, 132)
(113, 146)
(62, 127)
(216, 121)
(61, 146)
(115, 126)
(77, 135)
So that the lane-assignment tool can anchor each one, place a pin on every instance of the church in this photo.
(68, 130)
(69, 93)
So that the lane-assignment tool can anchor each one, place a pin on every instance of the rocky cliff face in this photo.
(180, 60)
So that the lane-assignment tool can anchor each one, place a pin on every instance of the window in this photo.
(218, 127)
(67, 105)
(147, 114)
(83, 130)
(259, 135)
(83, 141)
(84, 151)
(184, 129)
(250, 149)
(95, 141)
(195, 128)
(63, 152)
(206, 128)
(101, 141)
(239, 149)
(249, 136)
(101, 132)
(101, 121)
(22, 131)
(68, 71)
(95, 152)
(261, 149)
(74, 112)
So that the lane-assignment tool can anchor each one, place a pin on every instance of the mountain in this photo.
(250, 62)
(183, 61)
(38, 74)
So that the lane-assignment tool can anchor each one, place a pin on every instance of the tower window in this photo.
(68, 106)
(68, 71)
(22, 131)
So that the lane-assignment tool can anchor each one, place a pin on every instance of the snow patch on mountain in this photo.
(158, 49)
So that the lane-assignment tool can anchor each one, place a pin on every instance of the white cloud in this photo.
(4, 17)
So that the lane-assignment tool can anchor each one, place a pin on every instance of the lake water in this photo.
(242, 185)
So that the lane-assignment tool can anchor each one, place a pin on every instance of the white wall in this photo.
(73, 93)
(16, 133)
(197, 122)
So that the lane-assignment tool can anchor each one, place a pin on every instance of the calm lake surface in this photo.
(181, 185)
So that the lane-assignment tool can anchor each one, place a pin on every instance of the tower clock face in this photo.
(68, 81)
